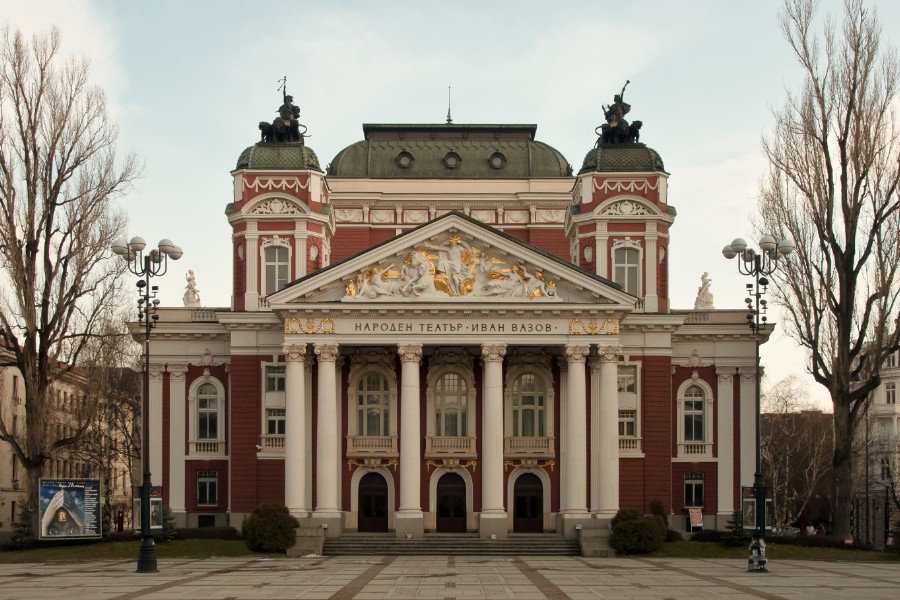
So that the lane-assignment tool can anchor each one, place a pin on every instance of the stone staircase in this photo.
(456, 544)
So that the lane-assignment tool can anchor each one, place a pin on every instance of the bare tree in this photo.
(796, 447)
(832, 187)
(59, 179)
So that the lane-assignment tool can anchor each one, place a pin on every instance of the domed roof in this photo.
(621, 157)
(449, 151)
(278, 155)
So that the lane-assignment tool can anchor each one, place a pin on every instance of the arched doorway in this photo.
(528, 503)
(451, 504)
(373, 503)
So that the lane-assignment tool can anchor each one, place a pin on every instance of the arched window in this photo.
(529, 406)
(207, 412)
(373, 406)
(451, 406)
(627, 269)
(694, 400)
(276, 268)
(695, 419)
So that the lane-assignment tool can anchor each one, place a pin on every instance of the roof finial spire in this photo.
(449, 118)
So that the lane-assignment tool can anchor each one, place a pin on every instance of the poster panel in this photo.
(70, 508)
(156, 507)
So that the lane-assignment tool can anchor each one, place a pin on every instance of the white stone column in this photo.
(327, 447)
(608, 502)
(601, 250)
(725, 442)
(177, 437)
(409, 519)
(295, 440)
(493, 519)
(156, 423)
(651, 293)
(596, 435)
(301, 252)
(573, 501)
(748, 424)
(251, 267)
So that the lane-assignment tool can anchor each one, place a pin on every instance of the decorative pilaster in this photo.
(493, 514)
(573, 500)
(725, 437)
(295, 439)
(409, 519)
(177, 437)
(156, 422)
(327, 448)
(251, 267)
(748, 424)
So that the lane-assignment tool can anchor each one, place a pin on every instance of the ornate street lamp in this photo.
(758, 265)
(149, 264)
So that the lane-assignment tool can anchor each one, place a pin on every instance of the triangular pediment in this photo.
(452, 259)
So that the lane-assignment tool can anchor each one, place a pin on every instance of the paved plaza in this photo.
(449, 577)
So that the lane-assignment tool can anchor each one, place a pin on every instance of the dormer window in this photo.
(452, 160)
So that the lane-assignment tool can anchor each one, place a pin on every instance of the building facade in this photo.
(451, 330)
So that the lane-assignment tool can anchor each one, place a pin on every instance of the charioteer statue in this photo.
(286, 127)
(617, 130)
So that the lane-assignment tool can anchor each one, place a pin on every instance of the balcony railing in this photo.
(271, 444)
(629, 445)
(450, 447)
(372, 446)
(207, 448)
(695, 449)
(528, 447)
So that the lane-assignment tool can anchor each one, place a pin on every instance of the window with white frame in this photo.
(373, 405)
(275, 421)
(451, 406)
(208, 412)
(627, 423)
(275, 381)
(890, 393)
(627, 269)
(694, 421)
(890, 361)
(276, 267)
(529, 417)
(207, 488)
(693, 490)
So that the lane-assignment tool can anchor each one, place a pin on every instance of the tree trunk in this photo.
(842, 464)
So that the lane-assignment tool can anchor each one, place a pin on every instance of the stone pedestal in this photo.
(493, 524)
(410, 524)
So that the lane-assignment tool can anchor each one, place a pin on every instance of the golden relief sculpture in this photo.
(309, 325)
(453, 268)
(594, 327)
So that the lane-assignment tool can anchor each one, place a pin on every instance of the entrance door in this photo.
(528, 502)
(373, 503)
(451, 504)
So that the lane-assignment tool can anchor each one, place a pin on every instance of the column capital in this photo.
(410, 352)
(748, 373)
(726, 374)
(294, 352)
(177, 371)
(157, 370)
(327, 352)
(493, 352)
(609, 353)
(577, 353)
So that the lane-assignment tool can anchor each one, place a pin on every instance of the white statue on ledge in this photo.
(704, 299)
(191, 293)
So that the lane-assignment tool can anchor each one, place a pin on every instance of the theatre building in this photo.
(451, 330)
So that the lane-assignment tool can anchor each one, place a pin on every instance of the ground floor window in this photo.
(693, 489)
(207, 488)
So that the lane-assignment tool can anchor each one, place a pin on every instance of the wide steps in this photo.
(461, 544)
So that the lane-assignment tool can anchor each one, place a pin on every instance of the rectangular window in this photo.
(275, 421)
(693, 420)
(891, 360)
(693, 490)
(275, 378)
(890, 393)
(208, 419)
(627, 379)
(627, 423)
(207, 488)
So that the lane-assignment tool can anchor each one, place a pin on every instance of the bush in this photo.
(625, 514)
(270, 529)
(674, 536)
(636, 536)
(707, 535)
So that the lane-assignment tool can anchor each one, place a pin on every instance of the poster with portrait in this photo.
(156, 507)
(70, 508)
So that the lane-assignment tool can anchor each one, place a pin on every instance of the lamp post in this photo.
(758, 265)
(146, 265)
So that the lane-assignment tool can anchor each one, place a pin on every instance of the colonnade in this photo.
(409, 519)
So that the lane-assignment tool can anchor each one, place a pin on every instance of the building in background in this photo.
(451, 330)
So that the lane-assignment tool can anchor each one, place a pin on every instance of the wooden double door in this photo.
(528, 504)
(451, 504)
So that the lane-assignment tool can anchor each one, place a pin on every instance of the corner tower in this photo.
(618, 224)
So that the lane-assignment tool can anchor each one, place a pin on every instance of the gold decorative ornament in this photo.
(594, 327)
(309, 326)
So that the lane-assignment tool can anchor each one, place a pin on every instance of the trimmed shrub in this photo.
(674, 536)
(636, 536)
(707, 535)
(625, 514)
(270, 529)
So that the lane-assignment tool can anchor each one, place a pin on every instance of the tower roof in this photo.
(276, 156)
(621, 157)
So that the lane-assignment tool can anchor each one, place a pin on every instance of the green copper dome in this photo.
(277, 156)
(449, 151)
(621, 157)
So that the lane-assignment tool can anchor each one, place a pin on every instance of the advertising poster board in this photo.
(156, 507)
(70, 508)
(748, 508)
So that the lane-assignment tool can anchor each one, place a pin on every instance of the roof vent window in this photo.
(452, 160)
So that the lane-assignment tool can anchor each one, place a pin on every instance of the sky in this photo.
(188, 82)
